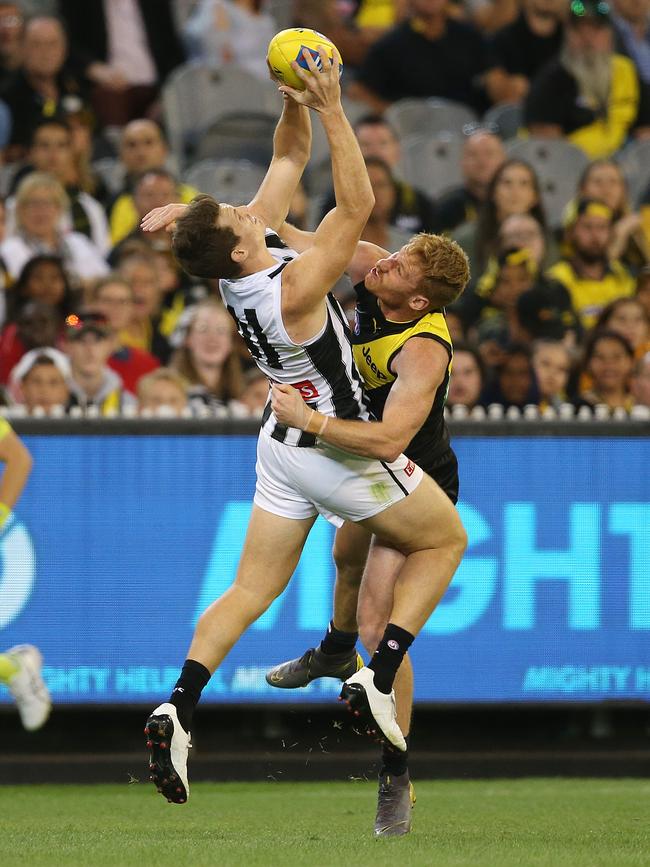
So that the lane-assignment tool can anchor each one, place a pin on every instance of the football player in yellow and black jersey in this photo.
(403, 350)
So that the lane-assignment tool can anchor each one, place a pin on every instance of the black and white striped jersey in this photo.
(323, 369)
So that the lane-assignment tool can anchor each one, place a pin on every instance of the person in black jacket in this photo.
(125, 48)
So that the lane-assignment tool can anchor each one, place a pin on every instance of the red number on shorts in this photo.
(307, 389)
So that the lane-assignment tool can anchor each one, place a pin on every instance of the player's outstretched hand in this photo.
(288, 406)
(322, 87)
(162, 218)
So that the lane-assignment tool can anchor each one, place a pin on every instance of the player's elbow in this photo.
(390, 449)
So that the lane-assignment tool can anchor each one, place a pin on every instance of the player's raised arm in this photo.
(308, 278)
(291, 151)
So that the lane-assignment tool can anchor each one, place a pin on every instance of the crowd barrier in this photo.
(129, 528)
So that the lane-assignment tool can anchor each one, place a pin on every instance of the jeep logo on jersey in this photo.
(371, 364)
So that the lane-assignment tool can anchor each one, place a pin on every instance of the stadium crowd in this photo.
(526, 145)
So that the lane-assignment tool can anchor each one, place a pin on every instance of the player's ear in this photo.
(238, 254)
(418, 303)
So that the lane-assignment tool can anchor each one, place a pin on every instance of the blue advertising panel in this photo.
(119, 542)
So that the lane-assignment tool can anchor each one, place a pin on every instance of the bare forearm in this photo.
(292, 138)
(352, 189)
(369, 439)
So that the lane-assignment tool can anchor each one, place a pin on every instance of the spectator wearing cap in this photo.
(89, 345)
(522, 48)
(413, 210)
(36, 325)
(163, 392)
(552, 366)
(589, 275)
(608, 365)
(125, 49)
(40, 87)
(483, 153)
(142, 149)
(50, 151)
(589, 94)
(41, 203)
(467, 377)
(114, 297)
(428, 54)
(40, 380)
(498, 290)
(640, 383)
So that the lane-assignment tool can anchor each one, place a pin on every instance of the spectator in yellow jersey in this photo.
(20, 666)
(591, 278)
(589, 94)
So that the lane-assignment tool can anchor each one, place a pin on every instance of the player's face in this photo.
(248, 227)
(395, 278)
(552, 366)
(610, 366)
(44, 386)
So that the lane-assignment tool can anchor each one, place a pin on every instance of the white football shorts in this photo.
(301, 482)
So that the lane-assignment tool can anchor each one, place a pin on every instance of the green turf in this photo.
(559, 823)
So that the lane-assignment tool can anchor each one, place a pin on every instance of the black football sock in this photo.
(395, 761)
(337, 641)
(389, 655)
(187, 692)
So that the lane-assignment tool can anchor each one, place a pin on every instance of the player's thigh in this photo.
(271, 551)
(351, 544)
(378, 588)
(424, 519)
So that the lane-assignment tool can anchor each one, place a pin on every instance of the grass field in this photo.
(559, 823)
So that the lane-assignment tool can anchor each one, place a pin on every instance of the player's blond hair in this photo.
(445, 264)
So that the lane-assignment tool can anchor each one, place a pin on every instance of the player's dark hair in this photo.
(203, 248)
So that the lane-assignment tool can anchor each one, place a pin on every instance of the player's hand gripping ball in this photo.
(288, 45)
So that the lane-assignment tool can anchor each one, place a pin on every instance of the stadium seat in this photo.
(195, 96)
(635, 162)
(432, 163)
(244, 135)
(558, 165)
(429, 116)
(505, 120)
(228, 180)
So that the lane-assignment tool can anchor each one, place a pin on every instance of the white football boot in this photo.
(28, 687)
(375, 708)
(169, 744)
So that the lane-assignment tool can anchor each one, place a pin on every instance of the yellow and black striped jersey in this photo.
(376, 342)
